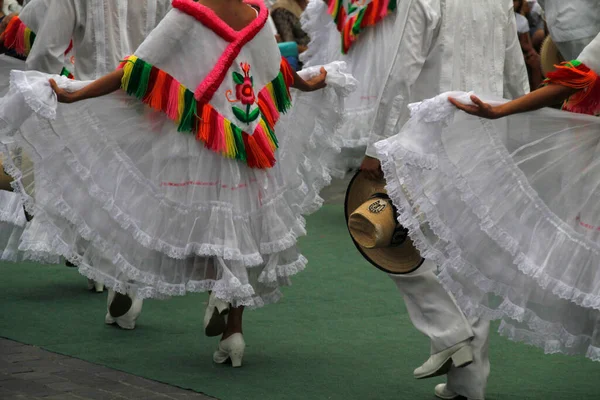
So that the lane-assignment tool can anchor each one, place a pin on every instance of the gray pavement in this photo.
(30, 373)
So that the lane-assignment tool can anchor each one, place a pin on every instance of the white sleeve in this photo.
(522, 23)
(590, 56)
(416, 37)
(516, 81)
(53, 37)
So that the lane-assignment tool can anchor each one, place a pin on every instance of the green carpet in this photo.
(341, 332)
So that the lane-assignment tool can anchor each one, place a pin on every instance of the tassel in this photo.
(218, 143)
(181, 110)
(573, 74)
(189, 108)
(150, 86)
(20, 42)
(230, 150)
(173, 102)
(159, 93)
(239, 143)
(10, 34)
(135, 77)
(127, 67)
(144, 80)
(576, 75)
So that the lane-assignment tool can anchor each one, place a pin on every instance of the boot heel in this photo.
(236, 358)
(463, 357)
(231, 349)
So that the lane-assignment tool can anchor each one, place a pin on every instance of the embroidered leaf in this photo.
(239, 114)
(238, 78)
(253, 115)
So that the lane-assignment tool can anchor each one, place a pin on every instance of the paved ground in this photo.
(30, 373)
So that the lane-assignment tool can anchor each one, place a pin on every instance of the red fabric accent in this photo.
(287, 71)
(206, 90)
(10, 34)
(587, 99)
(69, 48)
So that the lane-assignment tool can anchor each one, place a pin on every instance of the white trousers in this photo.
(434, 312)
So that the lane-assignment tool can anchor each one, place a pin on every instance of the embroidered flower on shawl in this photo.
(244, 93)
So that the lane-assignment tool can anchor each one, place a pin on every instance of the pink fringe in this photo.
(173, 103)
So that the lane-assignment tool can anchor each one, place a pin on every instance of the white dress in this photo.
(369, 58)
(509, 209)
(212, 207)
(100, 32)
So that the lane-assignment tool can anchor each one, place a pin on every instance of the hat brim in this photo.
(397, 260)
(550, 56)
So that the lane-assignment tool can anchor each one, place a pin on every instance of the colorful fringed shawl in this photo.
(577, 75)
(20, 38)
(352, 16)
(247, 132)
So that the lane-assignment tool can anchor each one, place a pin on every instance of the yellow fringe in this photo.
(229, 140)
(127, 69)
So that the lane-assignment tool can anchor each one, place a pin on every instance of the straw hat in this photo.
(374, 229)
(5, 179)
(550, 56)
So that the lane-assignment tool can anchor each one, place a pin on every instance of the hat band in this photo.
(400, 233)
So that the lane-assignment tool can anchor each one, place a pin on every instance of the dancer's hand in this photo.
(315, 83)
(61, 94)
(372, 168)
(480, 109)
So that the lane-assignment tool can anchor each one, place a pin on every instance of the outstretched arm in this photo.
(544, 97)
(100, 87)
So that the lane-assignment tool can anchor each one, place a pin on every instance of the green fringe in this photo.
(135, 78)
(65, 72)
(189, 112)
(239, 143)
(272, 135)
(282, 96)
(357, 28)
(144, 80)
(392, 5)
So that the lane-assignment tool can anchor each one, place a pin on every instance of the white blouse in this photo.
(441, 50)
(103, 33)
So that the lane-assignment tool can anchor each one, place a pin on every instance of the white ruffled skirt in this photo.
(510, 211)
(369, 61)
(148, 210)
(12, 214)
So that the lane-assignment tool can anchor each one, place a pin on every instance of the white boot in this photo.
(232, 349)
(460, 355)
(128, 319)
(96, 286)
(442, 392)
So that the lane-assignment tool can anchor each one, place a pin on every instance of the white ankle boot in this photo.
(215, 320)
(460, 355)
(127, 320)
(96, 286)
(232, 349)
(442, 392)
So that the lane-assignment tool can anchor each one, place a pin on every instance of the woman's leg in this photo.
(234, 322)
